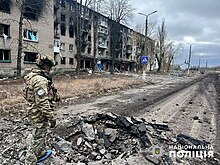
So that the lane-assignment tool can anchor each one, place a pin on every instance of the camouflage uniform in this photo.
(41, 95)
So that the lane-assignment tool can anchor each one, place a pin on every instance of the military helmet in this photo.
(44, 59)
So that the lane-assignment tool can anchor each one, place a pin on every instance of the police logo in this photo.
(156, 151)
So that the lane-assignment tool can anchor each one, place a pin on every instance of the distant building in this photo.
(53, 31)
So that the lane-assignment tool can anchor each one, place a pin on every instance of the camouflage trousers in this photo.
(38, 144)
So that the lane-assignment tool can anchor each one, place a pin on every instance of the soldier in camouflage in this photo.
(41, 95)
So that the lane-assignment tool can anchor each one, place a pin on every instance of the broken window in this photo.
(89, 50)
(63, 18)
(63, 60)
(30, 12)
(56, 43)
(71, 47)
(71, 7)
(5, 6)
(62, 3)
(5, 55)
(62, 46)
(30, 35)
(34, 8)
(4, 29)
(71, 61)
(71, 31)
(63, 29)
(89, 38)
(30, 57)
(71, 21)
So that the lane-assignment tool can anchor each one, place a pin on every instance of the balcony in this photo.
(103, 23)
(103, 46)
(129, 43)
(129, 51)
(138, 51)
(85, 16)
(86, 42)
(103, 31)
(86, 30)
(56, 49)
(102, 35)
(57, 35)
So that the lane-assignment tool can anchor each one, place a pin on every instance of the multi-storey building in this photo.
(138, 48)
(103, 42)
(64, 35)
(37, 34)
(52, 28)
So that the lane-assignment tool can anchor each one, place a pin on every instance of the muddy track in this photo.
(150, 100)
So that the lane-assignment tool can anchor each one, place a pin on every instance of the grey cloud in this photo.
(199, 19)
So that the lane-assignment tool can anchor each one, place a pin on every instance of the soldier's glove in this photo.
(52, 123)
(57, 97)
(55, 94)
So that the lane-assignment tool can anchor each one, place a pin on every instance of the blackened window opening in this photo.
(30, 13)
(71, 31)
(5, 5)
(63, 29)
(30, 57)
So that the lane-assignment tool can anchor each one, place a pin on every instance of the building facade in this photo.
(52, 29)
(36, 33)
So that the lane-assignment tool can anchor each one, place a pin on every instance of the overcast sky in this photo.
(187, 21)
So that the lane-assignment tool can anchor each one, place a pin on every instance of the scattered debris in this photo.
(187, 140)
(160, 126)
(195, 118)
(3, 95)
(103, 136)
(152, 159)
(97, 139)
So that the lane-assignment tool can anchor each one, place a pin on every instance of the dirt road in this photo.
(188, 106)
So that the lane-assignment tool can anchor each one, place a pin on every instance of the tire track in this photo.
(153, 99)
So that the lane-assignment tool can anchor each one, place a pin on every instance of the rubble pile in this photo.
(13, 133)
(105, 137)
(97, 139)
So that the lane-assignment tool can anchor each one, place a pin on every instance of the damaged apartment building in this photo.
(36, 33)
(51, 28)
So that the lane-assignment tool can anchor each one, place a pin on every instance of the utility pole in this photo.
(206, 65)
(146, 39)
(199, 64)
(190, 54)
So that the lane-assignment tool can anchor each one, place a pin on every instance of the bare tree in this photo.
(151, 29)
(95, 5)
(172, 51)
(160, 54)
(150, 32)
(78, 23)
(118, 10)
(95, 38)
